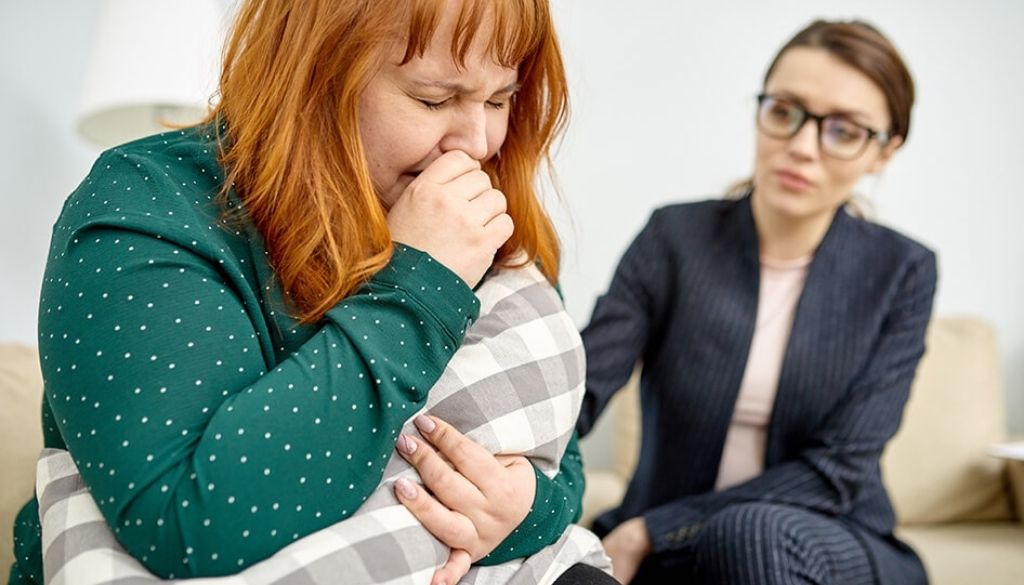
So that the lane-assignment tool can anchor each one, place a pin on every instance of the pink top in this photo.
(782, 281)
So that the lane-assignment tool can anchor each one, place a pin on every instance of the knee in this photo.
(743, 543)
(744, 529)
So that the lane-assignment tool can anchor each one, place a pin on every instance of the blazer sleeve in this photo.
(622, 323)
(828, 476)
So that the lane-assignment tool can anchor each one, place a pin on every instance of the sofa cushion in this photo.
(986, 553)
(21, 437)
(625, 406)
(936, 468)
(604, 491)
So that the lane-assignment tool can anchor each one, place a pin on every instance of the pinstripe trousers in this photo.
(764, 544)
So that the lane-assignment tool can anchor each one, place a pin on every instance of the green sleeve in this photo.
(204, 451)
(556, 504)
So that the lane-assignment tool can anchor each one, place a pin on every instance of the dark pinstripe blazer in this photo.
(684, 300)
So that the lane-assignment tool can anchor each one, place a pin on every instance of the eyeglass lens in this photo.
(838, 136)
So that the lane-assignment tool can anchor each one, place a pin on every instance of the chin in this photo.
(792, 205)
(778, 198)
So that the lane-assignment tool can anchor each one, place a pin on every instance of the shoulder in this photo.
(879, 244)
(872, 260)
(169, 176)
(693, 215)
(697, 222)
(691, 212)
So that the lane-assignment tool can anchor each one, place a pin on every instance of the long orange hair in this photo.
(289, 93)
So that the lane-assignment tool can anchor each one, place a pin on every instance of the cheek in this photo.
(372, 149)
(373, 132)
(843, 176)
(765, 149)
(391, 148)
(394, 135)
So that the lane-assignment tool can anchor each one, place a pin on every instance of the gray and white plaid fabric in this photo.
(515, 386)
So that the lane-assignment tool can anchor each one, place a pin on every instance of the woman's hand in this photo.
(475, 499)
(627, 546)
(452, 212)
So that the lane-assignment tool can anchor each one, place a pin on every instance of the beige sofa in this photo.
(958, 507)
(21, 438)
(956, 504)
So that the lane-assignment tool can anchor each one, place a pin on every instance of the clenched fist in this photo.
(452, 212)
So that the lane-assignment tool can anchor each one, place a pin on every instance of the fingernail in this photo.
(406, 445)
(424, 423)
(405, 488)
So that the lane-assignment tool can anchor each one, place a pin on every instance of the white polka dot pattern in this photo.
(201, 416)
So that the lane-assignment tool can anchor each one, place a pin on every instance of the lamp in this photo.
(152, 62)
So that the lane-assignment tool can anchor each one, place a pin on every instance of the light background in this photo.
(663, 95)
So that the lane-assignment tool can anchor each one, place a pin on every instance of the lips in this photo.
(792, 180)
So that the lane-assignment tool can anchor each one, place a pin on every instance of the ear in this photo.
(885, 154)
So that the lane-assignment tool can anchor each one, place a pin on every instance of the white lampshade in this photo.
(152, 61)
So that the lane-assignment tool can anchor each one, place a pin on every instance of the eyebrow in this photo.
(462, 89)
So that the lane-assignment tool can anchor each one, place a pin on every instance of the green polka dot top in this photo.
(211, 428)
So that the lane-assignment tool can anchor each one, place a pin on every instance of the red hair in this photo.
(289, 95)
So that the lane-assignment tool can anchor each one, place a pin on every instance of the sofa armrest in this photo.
(1013, 454)
(1015, 474)
(1015, 471)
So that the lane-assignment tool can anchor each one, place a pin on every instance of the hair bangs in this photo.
(515, 29)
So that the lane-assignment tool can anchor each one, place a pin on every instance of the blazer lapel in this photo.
(818, 354)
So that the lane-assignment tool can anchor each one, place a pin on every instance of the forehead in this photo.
(460, 43)
(438, 67)
(825, 84)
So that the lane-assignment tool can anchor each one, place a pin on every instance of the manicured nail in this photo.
(405, 488)
(424, 423)
(406, 445)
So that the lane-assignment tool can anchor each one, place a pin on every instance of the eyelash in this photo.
(438, 105)
(433, 105)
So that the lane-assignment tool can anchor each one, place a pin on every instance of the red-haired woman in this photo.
(203, 280)
(779, 335)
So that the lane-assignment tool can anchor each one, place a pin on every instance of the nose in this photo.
(467, 132)
(804, 144)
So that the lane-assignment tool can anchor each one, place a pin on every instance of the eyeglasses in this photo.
(838, 136)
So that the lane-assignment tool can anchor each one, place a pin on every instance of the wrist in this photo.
(635, 537)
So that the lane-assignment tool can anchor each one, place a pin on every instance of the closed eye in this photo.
(434, 105)
(501, 99)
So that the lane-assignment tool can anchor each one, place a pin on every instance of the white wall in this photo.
(43, 52)
(662, 97)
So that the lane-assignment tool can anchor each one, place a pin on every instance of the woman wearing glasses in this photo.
(779, 335)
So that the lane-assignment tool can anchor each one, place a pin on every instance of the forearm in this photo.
(557, 504)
